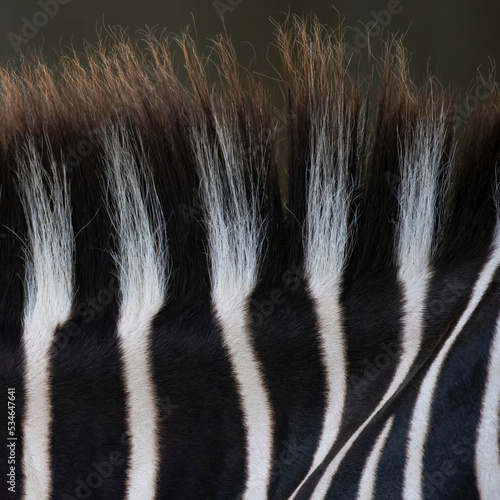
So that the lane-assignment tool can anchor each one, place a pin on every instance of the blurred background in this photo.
(449, 38)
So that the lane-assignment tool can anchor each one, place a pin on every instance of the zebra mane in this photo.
(177, 196)
(391, 171)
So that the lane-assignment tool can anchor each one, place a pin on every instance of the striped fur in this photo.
(142, 268)
(48, 292)
(193, 306)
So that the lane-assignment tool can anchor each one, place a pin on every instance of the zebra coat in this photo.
(193, 306)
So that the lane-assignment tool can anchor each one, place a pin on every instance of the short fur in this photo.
(176, 326)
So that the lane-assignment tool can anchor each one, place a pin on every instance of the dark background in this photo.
(450, 38)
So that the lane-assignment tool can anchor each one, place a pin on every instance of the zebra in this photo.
(195, 307)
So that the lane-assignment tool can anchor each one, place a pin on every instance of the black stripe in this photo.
(89, 441)
(201, 423)
(12, 230)
(286, 342)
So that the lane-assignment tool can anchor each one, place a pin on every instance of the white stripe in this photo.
(419, 426)
(141, 262)
(232, 316)
(412, 331)
(134, 328)
(420, 163)
(48, 289)
(327, 244)
(369, 476)
(234, 237)
(333, 354)
(487, 459)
